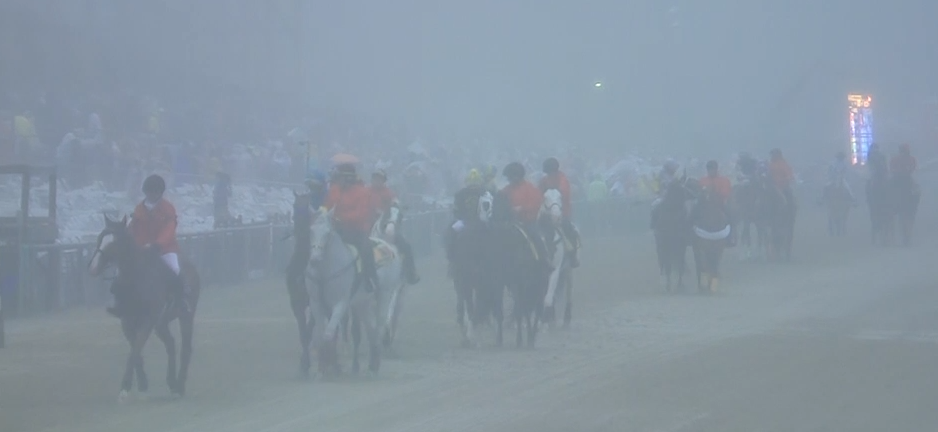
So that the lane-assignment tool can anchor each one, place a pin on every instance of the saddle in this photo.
(383, 251)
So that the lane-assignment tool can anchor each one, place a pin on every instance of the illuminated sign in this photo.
(860, 123)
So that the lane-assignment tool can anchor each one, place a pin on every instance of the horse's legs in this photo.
(518, 316)
(299, 303)
(568, 288)
(162, 332)
(137, 340)
(498, 311)
(356, 342)
(186, 329)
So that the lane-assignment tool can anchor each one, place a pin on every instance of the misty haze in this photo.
(361, 215)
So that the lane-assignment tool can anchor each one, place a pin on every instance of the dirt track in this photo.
(842, 339)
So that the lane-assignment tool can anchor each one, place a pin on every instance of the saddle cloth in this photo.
(384, 253)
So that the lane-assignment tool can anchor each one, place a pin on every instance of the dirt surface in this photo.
(842, 339)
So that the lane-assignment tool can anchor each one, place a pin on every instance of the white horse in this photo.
(330, 276)
(560, 283)
(390, 274)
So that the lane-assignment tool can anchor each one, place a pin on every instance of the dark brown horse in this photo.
(142, 282)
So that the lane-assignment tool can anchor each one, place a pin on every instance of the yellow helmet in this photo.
(474, 178)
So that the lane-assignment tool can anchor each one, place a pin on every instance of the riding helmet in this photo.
(380, 173)
(775, 153)
(712, 165)
(154, 185)
(551, 165)
(514, 171)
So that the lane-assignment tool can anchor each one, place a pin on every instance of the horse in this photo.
(780, 211)
(711, 227)
(669, 222)
(837, 199)
(296, 277)
(520, 268)
(750, 204)
(385, 229)
(142, 276)
(471, 267)
(331, 276)
(907, 196)
(881, 203)
(559, 250)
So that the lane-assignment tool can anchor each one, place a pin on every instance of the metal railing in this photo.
(55, 277)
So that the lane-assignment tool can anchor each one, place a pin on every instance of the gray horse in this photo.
(331, 275)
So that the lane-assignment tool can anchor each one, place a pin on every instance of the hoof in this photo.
(123, 397)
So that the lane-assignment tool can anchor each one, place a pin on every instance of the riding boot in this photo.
(410, 267)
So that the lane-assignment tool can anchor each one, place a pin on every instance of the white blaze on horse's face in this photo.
(485, 206)
(553, 205)
(319, 235)
(390, 229)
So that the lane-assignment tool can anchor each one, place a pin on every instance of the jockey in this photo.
(382, 199)
(781, 174)
(525, 202)
(837, 173)
(350, 202)
(488, 179)
(746, 167)
(555, 179)
(665, 177)
(154, 226)
(722, 187)
(717, 183)
(903, 164)
(466, 207)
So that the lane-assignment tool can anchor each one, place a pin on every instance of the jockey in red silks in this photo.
(382, 198)
(723, 189)
(782, 175)
(555, 179)
(350, 202)
(525, 202)
(154, 226)
(717, 183)
(903, 163)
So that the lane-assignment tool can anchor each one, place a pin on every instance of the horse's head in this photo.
(393, 220)
(320, 234)
(553, 205)
(114, 244)
(485, 206)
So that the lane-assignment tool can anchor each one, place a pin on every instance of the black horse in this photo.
(749, 197)
(671, 226)
(882, 204)
(296, 278)
(779, 210)
(471, 264)
(520, 266)
(142, 286)
(711, 227)
(907, 196)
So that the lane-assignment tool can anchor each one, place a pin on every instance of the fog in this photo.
(677, 74)
(824, 318)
